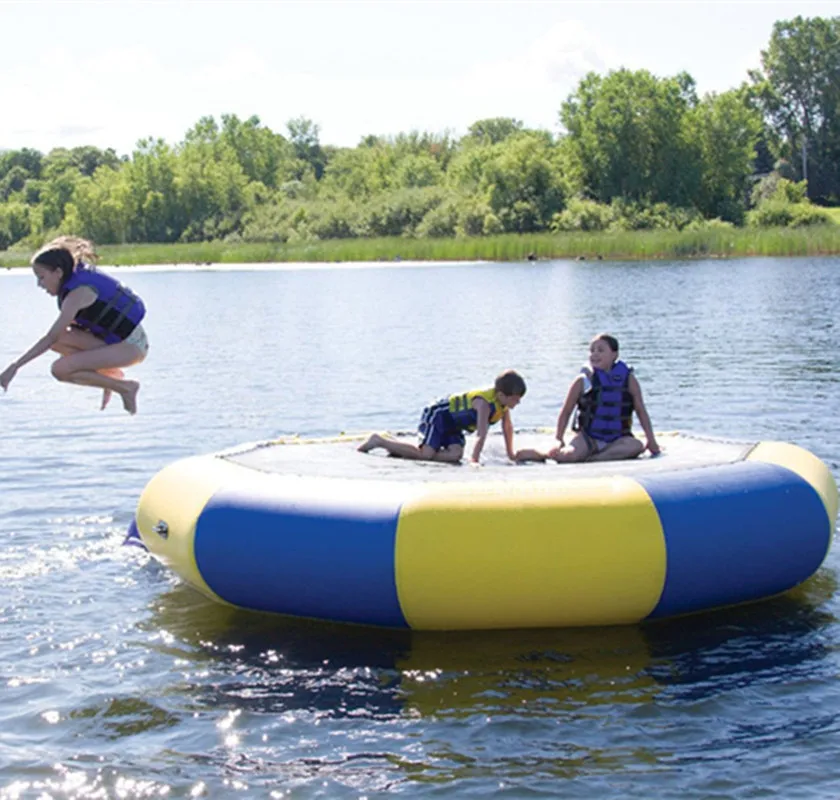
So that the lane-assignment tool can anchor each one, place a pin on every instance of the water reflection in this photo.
(771, 641)
(268, 663)
(157, 690)
(275, 664)
(119, 717)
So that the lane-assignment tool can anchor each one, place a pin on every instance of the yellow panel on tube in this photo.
(175, 497)
(561, 553)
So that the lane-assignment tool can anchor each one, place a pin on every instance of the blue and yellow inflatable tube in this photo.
(540, 553)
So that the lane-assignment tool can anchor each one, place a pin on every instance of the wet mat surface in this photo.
(338, 458)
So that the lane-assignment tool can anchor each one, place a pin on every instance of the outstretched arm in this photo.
(641, 412)
(482, 408)
(572, 397)
(74, 302)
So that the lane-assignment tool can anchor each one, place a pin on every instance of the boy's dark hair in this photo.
(610, 341)
(510, 383)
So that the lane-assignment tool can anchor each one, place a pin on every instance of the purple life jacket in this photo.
(605, 412)
(114, 314)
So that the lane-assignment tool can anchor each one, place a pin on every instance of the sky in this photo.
(110, 73)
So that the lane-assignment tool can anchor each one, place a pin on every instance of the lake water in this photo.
(119, 681)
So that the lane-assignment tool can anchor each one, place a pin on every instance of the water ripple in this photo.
(118, 681)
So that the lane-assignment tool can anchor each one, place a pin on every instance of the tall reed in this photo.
(635, 245)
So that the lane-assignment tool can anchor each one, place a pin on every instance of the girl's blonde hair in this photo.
(80, 249)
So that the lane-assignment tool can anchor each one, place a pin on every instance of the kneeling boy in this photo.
(443, 424)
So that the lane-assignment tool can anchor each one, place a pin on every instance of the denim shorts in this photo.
(599, 445)
(437, 428)
(138, 338)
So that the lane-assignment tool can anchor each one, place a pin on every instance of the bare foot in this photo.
(129, 397)
(107, 393)
(374, 440)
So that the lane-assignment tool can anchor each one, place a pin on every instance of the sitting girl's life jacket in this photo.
(605, 406)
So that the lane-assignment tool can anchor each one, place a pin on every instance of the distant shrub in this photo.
(340, 220)
(491, 224)
(775, 187)
(473, 215)
(440, 222)
(715, 224)
(14, 223)
(630, 216)
(771, 213)
(805, 214)
(522, 216)
(583, 215)
(780, 213)
(399, 213)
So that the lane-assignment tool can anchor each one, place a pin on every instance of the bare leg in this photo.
(396, 448)
(531, 455)
(370, 443)
(87, 368)
(451, 454)
(623, 448)
(576, 450)
(75, 340)
(106, 393)
(127, 390)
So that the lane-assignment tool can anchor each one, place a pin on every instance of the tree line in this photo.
(637, 151)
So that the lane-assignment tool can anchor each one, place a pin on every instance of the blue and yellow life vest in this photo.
(465, 416)
(605, 411)
(114, 314)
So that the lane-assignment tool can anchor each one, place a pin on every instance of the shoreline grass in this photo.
(623, 245)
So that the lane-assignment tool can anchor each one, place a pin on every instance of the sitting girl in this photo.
(604, 400)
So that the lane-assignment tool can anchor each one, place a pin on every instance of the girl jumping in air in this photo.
(97, 331)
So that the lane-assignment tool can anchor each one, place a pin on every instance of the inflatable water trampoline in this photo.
(311, 528)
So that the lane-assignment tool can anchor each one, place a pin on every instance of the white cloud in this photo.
(119, 95)
(532, 83)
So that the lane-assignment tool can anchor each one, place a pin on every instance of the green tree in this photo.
(303, 134)
(13, 181)
(260, 152)
(418, 170)
(14, 223)
(438, 147)
(211, 189)
(158, 215)
(725, 129)
(56, 192)
(520, 180)
(358, 173)
(27, 159)
(495, 129)
(101, 208)
(800, 89)
(468, 167)
(85, 160)
(626, 132)
(88, 159)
